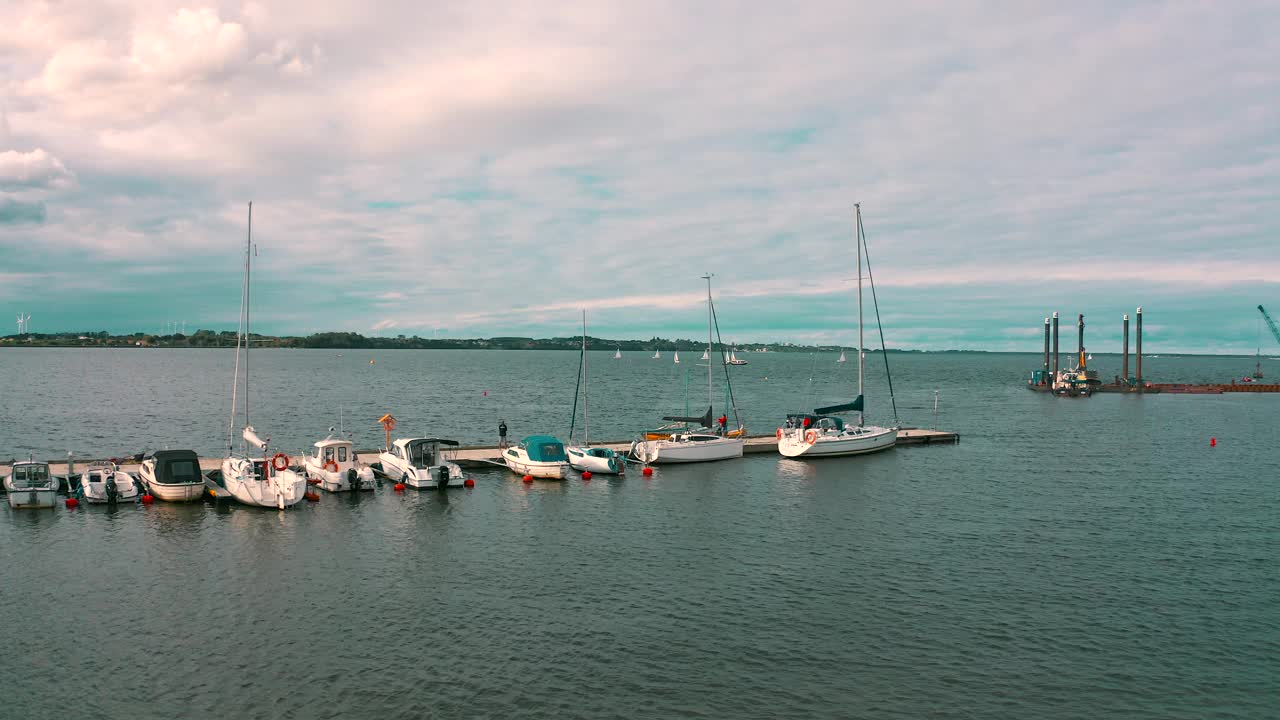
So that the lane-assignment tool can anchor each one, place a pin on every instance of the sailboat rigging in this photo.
(584, 457)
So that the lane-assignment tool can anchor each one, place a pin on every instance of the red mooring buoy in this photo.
(528, 478)
(647, 472)
(586, 474)
(399, 487)
(148, 499)
(313, 497)
(469, 482)
(72, 502)
(1213, 442)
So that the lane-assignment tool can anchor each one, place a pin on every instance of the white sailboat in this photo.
(583, 457)
(677, 354)
(733, 358)
(702, 444)
(822, 433)
(617, 354)
(706, 354)
(657, 354)
(842, 358)
(266, 480)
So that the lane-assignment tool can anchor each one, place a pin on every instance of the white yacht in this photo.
(172, 475)
(582, 456)
(103, 482)
(335, 467)
(421, 463)
(29, 484)
(823, 434)
(541, 456)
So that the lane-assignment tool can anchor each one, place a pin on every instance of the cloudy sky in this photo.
(476, 168)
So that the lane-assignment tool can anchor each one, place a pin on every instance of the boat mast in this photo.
(248, 254)
(857, 208)
(710, 399)
(586, 436)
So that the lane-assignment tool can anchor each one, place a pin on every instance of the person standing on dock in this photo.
(724, 422)
(502, 434)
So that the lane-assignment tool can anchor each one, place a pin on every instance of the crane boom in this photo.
(1275, 331)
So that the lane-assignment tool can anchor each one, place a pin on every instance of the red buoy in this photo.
(586, 474)
(469, 482)
(148, 499)
(313, 497)
(647, 472)
(72, 502)
(399, 487)
(528, 478)
(1213, 442)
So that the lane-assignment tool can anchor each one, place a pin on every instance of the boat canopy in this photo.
(177, 467)
(705, 420)
(816, 421)
(544, 448)
(438, 441)
(846, 407)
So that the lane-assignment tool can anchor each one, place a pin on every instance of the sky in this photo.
(466, 169)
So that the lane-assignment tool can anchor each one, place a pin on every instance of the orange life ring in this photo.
(779, 433)
(811, 437)
(277, 467)
(331, 466)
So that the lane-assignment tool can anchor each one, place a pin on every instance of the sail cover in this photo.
(251, 437)
(705, 420)
(847, 407)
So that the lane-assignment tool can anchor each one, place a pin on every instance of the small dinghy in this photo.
(336, 468)
(105, 483)
(421, 463)
(30, 485)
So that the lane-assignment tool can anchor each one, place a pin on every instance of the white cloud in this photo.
(32, 169)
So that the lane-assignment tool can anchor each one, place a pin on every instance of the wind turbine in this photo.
(19, 323)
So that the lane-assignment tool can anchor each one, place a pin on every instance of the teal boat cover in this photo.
(544, 448)
(847, 407)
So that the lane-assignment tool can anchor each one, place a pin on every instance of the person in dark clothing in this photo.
(502, 434)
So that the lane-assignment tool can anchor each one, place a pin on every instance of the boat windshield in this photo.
(422, 455)
(30, 476)
(181, 471)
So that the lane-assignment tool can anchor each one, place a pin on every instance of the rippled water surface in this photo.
(1069, 558)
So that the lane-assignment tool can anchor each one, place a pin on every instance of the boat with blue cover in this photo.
(541, 456)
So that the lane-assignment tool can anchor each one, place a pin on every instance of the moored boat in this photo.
(335, 467)
(29, 484)
(421, 463)
(582, 456)
(172, 475)
(104, 483)
(541, 456)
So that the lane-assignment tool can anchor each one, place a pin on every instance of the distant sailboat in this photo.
(842, 357)
(706, 354)
(617, 354)
(733, 358)
(1090, 356)
(677, 357)
(657, 354)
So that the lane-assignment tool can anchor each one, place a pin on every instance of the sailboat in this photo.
(822, 433)
(677, 354)
(842, 357)
(617, 354)
(733, 358)
(266, 481)
(585, 458)
(657, 354)
(702, 443)
(706, 354)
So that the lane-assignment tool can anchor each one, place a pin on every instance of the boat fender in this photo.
(280, 462)
(779, 433)
(811, 437)
(331, 466)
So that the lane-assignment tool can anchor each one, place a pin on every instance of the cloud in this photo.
(14, 212)
(33, 169)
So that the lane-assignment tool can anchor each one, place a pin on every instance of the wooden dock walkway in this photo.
(487, 455)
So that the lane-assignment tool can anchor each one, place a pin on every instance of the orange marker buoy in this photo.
(398, 487)
(469, 482)
(1213, 442)
(586, 474)
(148, 499)
(528, 479)
(72, 503)
(647, 472)
(313, 497)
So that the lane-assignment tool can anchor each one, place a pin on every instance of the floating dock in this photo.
(1189, 389)
(489, 455)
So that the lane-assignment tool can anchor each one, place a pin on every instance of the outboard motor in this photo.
(113, 493)
(351, 479)
(442, 477)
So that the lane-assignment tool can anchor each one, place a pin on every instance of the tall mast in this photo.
(710, 399)
(857, 207)
(586, 436)
(248, 253)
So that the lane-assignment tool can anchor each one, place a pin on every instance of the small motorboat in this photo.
(29, 484)
(598, 460)
(421, 463)
(103, 482)
(541, 456)
(336, 468)
(172, 475)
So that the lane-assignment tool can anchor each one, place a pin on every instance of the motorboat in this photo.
(421, 463)
(172, 475)
(541, 456)
(582, 456)
(335, 467)
(254, 476)
(103, 482)
(29, 484)
(822, 433)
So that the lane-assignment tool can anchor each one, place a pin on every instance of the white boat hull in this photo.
(30, 497)
(582, 461)
(795, 442)
(547, 470)
(680, 449)
(339, 480)
(169, 492)
(278, 489)
(93, 487)
(427, 478)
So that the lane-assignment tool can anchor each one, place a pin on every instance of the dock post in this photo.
(1138, 350)
(1124, 367)
(1054, 377)
(1080, 340)
(1046, 348)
